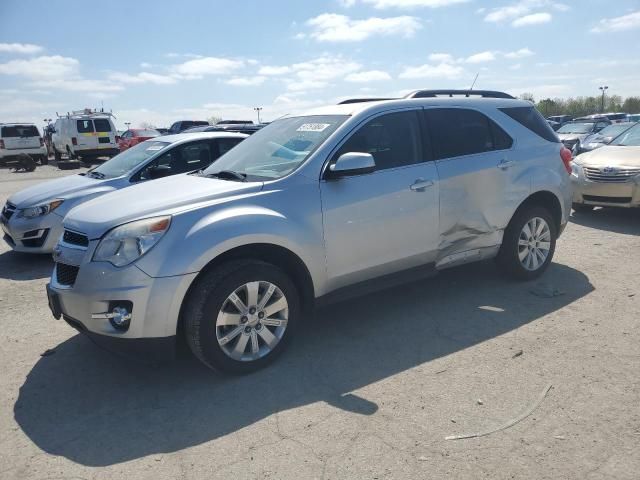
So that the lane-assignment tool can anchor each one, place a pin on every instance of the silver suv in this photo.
(341, 200)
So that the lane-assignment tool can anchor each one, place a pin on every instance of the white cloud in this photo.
(23, 48)
(440, 57)
(517, 66)
(618, 24)
(199, 67)
(143, 77)
(304, 85)
(41, 67)
(274, 70)
(325, 68)
(382, 4)
(443, 70)
(522, 53)
(79, 85)
(524, 12)
(533, 19)
(368, 76)
(246, 81)
(146, 65)
(331, 27)
(482, 57)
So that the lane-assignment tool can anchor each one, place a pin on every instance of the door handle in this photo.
(420, 185)
(504, 164)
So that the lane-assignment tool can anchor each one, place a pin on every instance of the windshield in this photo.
(279, 148)
(146, 133)
(576, 128)
(126, 161)
(613, 130)
(629, 138)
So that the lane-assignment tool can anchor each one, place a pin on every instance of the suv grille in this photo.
(610, 174)
(66, 274)
(8, 210)
(75, 238)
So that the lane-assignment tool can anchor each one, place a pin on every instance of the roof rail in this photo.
(362, 100)
(451, 93)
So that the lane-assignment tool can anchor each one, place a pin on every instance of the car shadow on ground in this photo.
(25, 266)
(618, 220)
(97, 409)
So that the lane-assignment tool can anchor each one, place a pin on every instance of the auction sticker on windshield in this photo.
(313, 127)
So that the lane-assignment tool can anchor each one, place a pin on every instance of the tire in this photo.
(56, 155)
(209, 301)
(44, 160)
(511, 251)
(582, 208)
(70, 154)
(68, 164)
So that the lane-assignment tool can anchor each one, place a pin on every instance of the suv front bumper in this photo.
(155, 302)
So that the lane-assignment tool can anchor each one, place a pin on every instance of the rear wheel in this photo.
(70, 154)
(240, 316)
(528, 243)
(44, 160)
(582, 208)
(56, 155)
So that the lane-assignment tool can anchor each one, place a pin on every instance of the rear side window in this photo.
(392, 139)
(84, 126)
(457, 131)
(533, 120)
(20, 131)
(102, 125)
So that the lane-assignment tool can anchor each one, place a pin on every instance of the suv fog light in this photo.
(119, 317)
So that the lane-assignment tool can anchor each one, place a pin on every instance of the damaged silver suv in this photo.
(339, 200)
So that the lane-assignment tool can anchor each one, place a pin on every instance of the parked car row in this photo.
(231, 257)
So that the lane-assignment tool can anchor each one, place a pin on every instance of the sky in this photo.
(159, 62)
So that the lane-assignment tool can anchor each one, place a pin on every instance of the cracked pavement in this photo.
(370, 388)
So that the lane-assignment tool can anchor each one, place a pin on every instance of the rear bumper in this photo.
(97, 152)
(6, 155)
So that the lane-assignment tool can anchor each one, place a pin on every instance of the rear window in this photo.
(84, 126)
(20, 131)
(616, 116)
(102, 125)
(533, 120)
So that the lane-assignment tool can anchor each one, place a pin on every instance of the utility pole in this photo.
(604, 89)
(258, 109)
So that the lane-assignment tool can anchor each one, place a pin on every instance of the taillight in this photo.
(41, 142)
(74, 140)
(2, 144)
(566, 156)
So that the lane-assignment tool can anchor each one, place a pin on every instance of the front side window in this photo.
(279, 148)
(182, 159)
(456, 132)
(128, 160)
(393, 140)
(85, 126)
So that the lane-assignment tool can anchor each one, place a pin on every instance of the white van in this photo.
(21, 138)
(85, 134)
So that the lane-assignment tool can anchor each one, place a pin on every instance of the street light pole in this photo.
(258, 109)
(604, 89)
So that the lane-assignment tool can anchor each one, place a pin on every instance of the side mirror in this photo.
(159, 171)
(352, 163)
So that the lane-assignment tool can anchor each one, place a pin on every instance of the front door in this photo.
(385, 221)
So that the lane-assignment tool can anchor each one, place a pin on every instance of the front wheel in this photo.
(240, 316)
(528, 244)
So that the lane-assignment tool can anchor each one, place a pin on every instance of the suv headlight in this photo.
(126, 243)
(575, 169)
(40, 210)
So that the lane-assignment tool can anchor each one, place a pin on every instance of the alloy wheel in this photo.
(534, 243)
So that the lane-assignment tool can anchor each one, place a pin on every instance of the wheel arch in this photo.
(274, 254)
(546, 199)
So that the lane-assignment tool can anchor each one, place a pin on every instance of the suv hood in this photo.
(611, 156)
(164, 196)
(66, 188)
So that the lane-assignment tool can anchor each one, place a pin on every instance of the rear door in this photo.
(479, 181)
(86, 139)
(105, 133)
(385, 221)
(18, 137)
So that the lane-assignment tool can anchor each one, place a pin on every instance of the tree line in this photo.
(580, 106)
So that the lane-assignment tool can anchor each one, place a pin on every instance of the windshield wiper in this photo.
(96, 174)
(229, 175)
